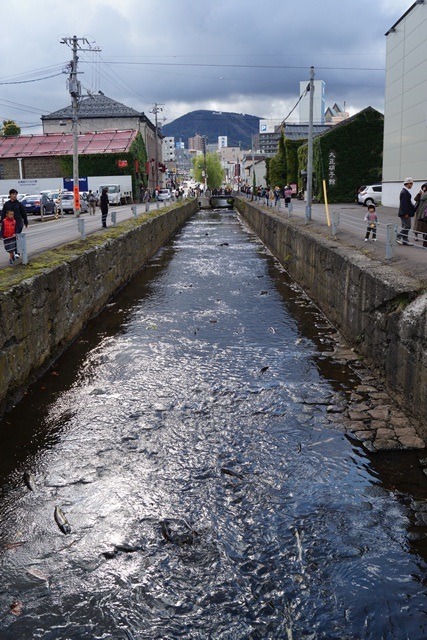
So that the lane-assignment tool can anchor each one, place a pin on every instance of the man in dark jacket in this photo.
(18, 209)
(406, 212)
(104, 202)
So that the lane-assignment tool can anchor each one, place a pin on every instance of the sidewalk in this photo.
(410, 261)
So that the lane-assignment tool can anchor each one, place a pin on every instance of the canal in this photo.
(184, 437)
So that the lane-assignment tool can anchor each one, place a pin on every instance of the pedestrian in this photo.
(147, 196)
(406, 212)
(421, 212)
(276, 196)
(18, 209)
(103, 201)
(288, 195)
(372, 219)
(92, 199)
(8, 233)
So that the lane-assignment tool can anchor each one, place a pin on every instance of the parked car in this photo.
(33, 203)
(370, 195)
(164, 194)
(361, 188)
(67, 203)
(55, 196)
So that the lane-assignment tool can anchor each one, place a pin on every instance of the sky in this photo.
(228, 55)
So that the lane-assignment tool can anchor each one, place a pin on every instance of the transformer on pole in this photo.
(74, 88)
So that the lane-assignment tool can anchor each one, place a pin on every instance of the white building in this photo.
(168, 149)
(318, 102)
(405, 111)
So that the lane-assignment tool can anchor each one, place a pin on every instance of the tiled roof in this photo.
(96, 106)
(300, 131)
(61, 144)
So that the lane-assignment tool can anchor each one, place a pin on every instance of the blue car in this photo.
(32, 204)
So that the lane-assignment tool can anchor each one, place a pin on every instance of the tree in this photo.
(278, 165)
(214, 170)
(10, 128)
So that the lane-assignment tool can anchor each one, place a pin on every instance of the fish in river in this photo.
(230, 472)
(29, 481)
(187, 537)
(62, 521)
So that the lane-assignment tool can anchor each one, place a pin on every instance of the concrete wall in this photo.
(381, 313)
(43, 314)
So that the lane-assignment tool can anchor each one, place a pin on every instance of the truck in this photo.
(116, 193)
(119, 187)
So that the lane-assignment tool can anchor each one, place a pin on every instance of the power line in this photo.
(239, 66)
(34, 80)
(20, 107)
(36, 72)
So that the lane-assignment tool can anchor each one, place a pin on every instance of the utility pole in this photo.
(204, 165)
(156, 109)
(253, 166)
(310, 150)
(74, 87)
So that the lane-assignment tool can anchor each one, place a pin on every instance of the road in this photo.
(52, 233)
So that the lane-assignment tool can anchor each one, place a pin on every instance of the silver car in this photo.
(67, 203)
(164, 194)
(370, 195)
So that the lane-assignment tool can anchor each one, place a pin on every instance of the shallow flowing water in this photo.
(184, 436)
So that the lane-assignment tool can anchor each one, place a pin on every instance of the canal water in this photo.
(184, 436)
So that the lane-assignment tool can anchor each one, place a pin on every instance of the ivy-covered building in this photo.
(50, 155)
(346, 157)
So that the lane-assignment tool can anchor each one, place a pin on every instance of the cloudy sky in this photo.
(223, 55)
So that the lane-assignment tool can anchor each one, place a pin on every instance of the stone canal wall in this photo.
(380, 312)
(44, 313)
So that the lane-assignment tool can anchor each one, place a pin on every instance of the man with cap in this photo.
(406, 212)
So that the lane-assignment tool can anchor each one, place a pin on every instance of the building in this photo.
(231, 158)
(29, 159)
(334, 115)
(197, 143)
(270, 133)
(347, 155)
(405, 105)
(168, 149)
(99, 113)
(254, 165)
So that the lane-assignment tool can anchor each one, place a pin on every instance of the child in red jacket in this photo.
(8, 233)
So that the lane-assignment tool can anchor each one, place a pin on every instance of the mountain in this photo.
(238, 127)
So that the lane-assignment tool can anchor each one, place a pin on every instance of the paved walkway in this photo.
(410, 261)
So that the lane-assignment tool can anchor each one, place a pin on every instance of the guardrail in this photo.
(386, 233)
